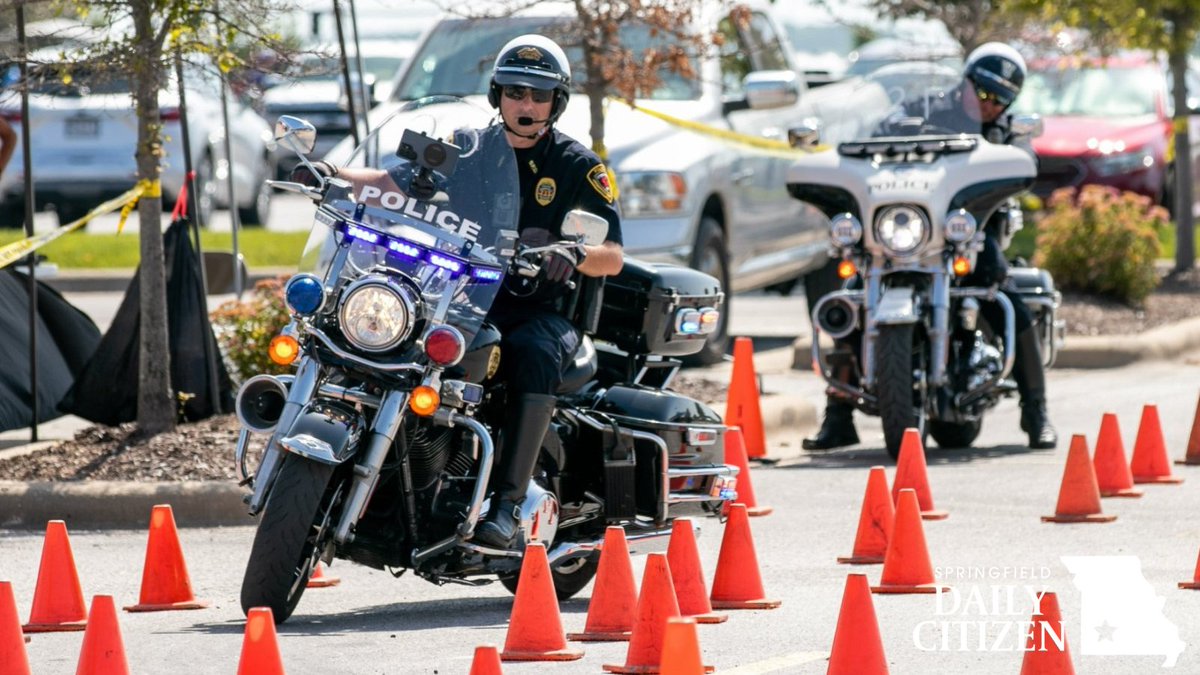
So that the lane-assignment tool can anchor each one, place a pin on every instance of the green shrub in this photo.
(244, 330)
(1101, 241)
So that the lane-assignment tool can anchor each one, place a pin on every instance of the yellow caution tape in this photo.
(13, 252)
(768, 145)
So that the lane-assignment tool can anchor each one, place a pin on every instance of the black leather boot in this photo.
(1031, 383)
(528, 420)
(837, 428)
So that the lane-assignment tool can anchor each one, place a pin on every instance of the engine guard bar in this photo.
(1053, 331)
(647, 541)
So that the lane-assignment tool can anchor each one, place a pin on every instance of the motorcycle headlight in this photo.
(960, 226)
(901, 229)
(376, 316)
(845, 230)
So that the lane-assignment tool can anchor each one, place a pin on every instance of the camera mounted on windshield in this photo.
(430, 155)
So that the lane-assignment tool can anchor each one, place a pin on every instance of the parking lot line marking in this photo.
(777, 663)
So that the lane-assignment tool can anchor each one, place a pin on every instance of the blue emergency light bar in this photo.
(413, 251)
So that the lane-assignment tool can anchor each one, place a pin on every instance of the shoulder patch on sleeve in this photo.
(598, 177)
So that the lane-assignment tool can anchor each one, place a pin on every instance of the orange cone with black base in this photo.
(656, 604)
(857, 646)
(1112, 470)
(1079, 497)
(103, 652)
(321, 580)
(260, 646)
(57, 597)
(737, 583)
(613, 606)
(875, 522)
(535, 631)
(13, 659)
(486, 661)
(742, 407)
(1192, 456)
(1046, 651)
(165, 582)
(1150, 463)
(1194, 584)
(688, 575)
(735, 454)
(911, 472)
(681, 648)
(906, 567)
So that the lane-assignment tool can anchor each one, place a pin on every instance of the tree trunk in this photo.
(156, 409)
(1185, 246)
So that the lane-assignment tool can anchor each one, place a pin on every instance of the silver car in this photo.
(686, 197)
(84, 136)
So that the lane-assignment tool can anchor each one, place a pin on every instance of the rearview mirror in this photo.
(591, 227)
(768, 89)
(297, 134)
(806, 135)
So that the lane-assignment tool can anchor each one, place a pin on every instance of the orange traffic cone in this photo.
(1078, 497)
(735, 454)
(535, 630)
(1150, 463)
(165, 583)
(681, 648)
(1192, 456)
(656, 604)
(906, 567)
(911, 473)
(614, 597)
(742, 408)
(1112, 471)
(260, 647)
(57, 597)
(688, 576)
(319, 580)
(1194, 585)
(1046, 651)
(486, 661)
(874, 522)
(103, 652)
(737, 583)
(13, 659)
(857, 646)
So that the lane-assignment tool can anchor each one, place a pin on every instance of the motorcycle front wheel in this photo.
(569, 577)
(901, 404)
(283, 555)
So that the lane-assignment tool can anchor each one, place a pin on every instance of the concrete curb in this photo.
(1089, 352)
(120, 504)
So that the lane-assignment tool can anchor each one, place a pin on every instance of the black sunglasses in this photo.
(517, 93)
(989, 96)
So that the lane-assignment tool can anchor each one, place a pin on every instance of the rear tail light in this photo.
(444, 346)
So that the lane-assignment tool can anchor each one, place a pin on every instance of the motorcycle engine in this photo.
(983, 363)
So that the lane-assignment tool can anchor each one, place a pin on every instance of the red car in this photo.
(1107, 122)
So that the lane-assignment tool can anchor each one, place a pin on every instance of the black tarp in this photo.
(106, 391)
(66, 339)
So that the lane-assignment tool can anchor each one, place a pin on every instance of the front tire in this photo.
(901, 404)
(712, 257)
(283, 555)
(569, 577)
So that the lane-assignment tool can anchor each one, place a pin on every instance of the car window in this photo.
(458, 56)
(735, 59)
(1090, 92)
(766, 48)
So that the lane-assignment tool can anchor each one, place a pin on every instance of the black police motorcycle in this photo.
(381, 444)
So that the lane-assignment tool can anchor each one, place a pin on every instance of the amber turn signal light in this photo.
(962, 267)
(846, 269)
(424, 401)
(283, 349)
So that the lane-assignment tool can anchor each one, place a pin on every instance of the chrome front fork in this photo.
(366, 473)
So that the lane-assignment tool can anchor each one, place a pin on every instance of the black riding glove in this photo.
(559, 265)
(305, 176)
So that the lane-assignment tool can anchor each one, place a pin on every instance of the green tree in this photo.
(1169, 26)
(142, 40)
(971, 22)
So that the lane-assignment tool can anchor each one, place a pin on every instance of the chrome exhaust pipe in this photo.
(260, 403)
(837, 316)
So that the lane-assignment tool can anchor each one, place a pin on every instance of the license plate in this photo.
(81, 127)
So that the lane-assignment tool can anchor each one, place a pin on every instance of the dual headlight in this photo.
(901, 228)
(375, 315)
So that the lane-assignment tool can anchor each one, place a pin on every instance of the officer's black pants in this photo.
(536, 347)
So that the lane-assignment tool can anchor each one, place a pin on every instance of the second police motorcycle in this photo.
(907, 203)
(380, 446)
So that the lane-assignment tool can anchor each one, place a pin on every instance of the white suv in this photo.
(685, 197)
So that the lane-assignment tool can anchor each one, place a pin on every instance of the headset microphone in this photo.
(526, 121)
